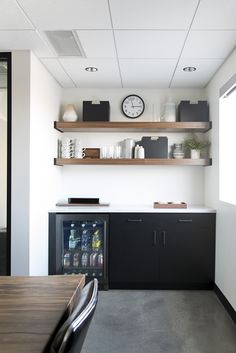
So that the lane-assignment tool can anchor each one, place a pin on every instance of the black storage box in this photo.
(96, 111)
(155, 147)
(193, 112)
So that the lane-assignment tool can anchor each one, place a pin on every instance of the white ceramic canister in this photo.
(169, 112)
(141, 152)
(136, 151)
(128, 145)
(70, 113)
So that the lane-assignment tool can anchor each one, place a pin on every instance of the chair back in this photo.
(71, 335)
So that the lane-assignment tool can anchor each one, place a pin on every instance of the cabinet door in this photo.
(133, 255)
(187, 249)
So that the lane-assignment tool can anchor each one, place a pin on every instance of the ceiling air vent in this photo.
(65, 43)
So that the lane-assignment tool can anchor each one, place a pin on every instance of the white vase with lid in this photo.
(70, 113)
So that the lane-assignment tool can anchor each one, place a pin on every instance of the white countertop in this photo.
(114, 208)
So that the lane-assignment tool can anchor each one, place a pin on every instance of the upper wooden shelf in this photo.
(132, 126)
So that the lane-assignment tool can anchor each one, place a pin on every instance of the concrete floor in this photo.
(160, 321)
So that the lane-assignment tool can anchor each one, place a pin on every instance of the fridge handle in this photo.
(135, 220)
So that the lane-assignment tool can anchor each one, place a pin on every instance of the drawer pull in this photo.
(185, 220)
(135, 220)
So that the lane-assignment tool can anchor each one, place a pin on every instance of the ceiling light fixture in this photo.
(91, 69)
(189, 68)
(65, 43)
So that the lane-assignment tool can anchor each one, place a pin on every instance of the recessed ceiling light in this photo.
(189, 68)
(91, 69)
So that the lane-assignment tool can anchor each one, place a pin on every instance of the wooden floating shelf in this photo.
(94, 161)
(132, 126)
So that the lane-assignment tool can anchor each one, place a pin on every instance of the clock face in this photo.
(133, 106)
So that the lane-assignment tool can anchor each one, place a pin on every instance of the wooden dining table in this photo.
(31, 309)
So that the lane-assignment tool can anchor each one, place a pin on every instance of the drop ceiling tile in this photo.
(57, 72)
(147, 73)
(12, 16)
(24, 40)
(106, 76)
(64, 14)
(97, 44)
(206, 68)
(152, 14)
(149, 44)
(215, 14)
(209, 44)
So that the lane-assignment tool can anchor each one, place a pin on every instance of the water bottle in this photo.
(84, 240)
(100, 260)
(92, 260)
(78, 239)
(76, 259)
(72, 237)
(84, 260)
(96, 240)
(66, 259)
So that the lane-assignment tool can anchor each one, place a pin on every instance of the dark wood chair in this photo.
(71, 335)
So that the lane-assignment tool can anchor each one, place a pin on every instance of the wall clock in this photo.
(133, 106)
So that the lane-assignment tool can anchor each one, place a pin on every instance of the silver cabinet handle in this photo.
(185, 220)
(135, 220)
(164, 238)
(154, 237)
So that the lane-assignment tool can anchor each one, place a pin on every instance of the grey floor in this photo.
(158, 321)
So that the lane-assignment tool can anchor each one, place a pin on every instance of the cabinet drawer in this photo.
(203, 220)
(130, 219)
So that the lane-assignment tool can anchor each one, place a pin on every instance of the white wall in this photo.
(35, 181)
(45, 187)
(131, 184)
(226, 220)
(20, 162)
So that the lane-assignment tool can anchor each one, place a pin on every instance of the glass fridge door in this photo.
(84, 246)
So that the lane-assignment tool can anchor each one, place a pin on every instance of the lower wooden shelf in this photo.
(148, 161)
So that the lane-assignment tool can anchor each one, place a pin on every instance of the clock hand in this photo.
(136, 106)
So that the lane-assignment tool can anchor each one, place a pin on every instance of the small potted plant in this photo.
(195, 146)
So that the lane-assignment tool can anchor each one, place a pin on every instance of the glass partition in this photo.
(4, 165)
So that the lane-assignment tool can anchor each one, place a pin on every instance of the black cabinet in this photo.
(187, 250)
(133, 256)
(162, 250)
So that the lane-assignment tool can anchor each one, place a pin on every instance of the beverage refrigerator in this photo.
(78, 244)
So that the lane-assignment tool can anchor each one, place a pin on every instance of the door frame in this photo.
(8, 58)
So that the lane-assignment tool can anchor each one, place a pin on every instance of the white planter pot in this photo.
(195, 154)
(70, 113)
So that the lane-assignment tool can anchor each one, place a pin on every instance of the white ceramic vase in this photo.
(70, 113)
(195, 154)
